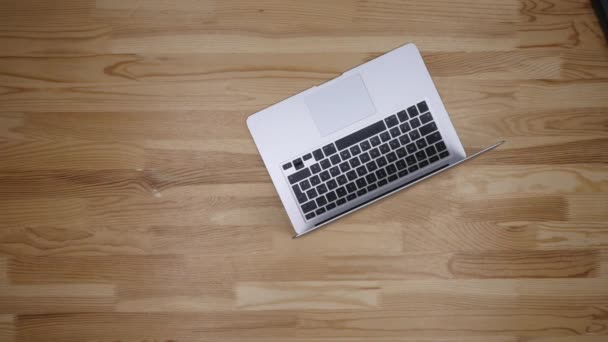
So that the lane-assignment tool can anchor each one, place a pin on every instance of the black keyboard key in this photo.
(410, 160)
(391, 169)
(321, 189)
(335, 159)
(385, 136)
(414, 135)
(331, 196)
(361, 183)
(375, 141)
(372, 187)
(314, 180)
(364, 157)
(420, 155)
(411, 148)
(324, 176)
(401, 164)
(443, 154)
(381, 161)
(402, 115)
(415, 123)
(342, 180)
(421, 143)
(341, 191)
(332, 184)
(430, 151)
(365, 145)
(374, 153)
(361, 171)
(344, 167)
(404, 139)
(334, 171)
(422, 107)
(354, 162)
(351, 197)
(401, 152)
(307, 156)
(391, 121)
(310, 216)
(413, 168)
(287, 166)
(298, 176)
(305, 185)
(341, 201)
(433, 138)
(318, 154)
(330, 206)
(351, 187)
(361, 192)
(384, 148)
(392, 178)
(360, 135)
(382, 182)
(315, 168)
(320, 211)
(345, 155)
(355, 150)
(371, 178)
(428, 128)
(426, 117)
(380, 173)
(325, 164)
(321, 201)
(352, 175)
(395, 132)
(309, 206)
(394, 144)
(301, 197)
(434, 159)
(312, 193)
(440, 146)
(402, 173)
(296, 189)
(412, 111)
(391, 157)
(423, 163)
(405, 127)
(329, 149)
(371, 166)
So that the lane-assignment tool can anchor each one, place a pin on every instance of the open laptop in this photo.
(341, 145)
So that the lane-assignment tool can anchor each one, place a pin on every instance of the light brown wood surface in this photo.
(134, 205)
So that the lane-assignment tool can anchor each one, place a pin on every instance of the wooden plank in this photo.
(469, 265)
(315, 295)
(49, 298)
(167, 272)
(164, 326)
(7, 328)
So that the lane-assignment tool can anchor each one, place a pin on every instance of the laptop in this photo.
(339, 146)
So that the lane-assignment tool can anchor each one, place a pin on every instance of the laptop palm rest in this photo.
(403, 186)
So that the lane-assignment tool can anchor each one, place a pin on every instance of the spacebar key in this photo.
(360, 135)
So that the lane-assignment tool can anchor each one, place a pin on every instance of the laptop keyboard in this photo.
(366, 160)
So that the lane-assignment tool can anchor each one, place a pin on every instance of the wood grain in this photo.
(134, 205)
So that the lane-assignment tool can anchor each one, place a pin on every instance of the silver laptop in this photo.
(343, 144)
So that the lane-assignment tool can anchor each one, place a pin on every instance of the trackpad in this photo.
(340, 104)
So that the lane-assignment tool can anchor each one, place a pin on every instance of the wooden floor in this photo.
(134, 205)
